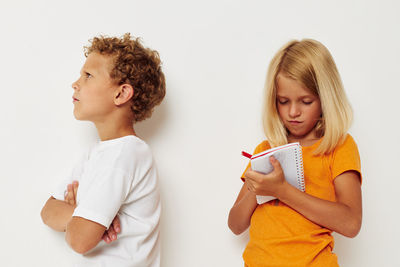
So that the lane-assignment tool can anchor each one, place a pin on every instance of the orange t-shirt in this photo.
(279, 235)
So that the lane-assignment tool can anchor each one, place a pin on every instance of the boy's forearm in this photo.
(56, 214)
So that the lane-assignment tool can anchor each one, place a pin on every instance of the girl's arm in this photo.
(240, 213)
(343, 216)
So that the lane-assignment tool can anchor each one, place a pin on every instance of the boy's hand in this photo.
(71, 193)
(270, 184)
(110, 235)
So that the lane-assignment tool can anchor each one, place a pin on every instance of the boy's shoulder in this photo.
(129, 143)
(133, 143)
(125, 152)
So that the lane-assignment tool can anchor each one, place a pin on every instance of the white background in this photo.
(215, 56)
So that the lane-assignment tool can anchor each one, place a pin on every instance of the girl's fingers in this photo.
(249, 185)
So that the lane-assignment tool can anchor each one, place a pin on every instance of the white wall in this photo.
(215, 57)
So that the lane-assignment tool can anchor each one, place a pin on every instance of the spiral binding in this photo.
(300, 169)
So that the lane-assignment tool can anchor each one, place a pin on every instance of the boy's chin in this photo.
(82, 118)
(79, 117)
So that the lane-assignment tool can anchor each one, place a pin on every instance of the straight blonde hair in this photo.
(309, 63)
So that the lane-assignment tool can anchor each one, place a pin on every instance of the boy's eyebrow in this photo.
(85, 70)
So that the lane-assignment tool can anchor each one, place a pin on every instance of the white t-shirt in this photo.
(119, 176)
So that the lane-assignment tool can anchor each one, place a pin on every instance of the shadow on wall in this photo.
(151, 127)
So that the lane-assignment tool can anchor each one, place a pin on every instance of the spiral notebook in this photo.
(291, 159)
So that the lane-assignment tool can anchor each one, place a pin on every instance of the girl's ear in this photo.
(123, 94)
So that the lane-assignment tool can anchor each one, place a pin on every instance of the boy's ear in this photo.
(123, 94)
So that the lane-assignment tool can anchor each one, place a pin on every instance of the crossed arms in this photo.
(81, 234)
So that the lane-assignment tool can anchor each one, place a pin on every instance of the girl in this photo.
(304, 102)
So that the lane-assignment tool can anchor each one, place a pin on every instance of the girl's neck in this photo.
(305, 140)
(306, 143)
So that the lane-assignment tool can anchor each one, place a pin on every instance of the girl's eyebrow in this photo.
(300, 97)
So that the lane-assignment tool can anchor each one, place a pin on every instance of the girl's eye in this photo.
(282, 102)
(307, 102)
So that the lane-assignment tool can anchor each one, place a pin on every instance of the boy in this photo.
(120, 84)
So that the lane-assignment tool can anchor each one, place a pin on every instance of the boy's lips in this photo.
(74, 99)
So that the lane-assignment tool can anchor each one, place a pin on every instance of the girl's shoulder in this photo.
(264, 145)
(348, 143)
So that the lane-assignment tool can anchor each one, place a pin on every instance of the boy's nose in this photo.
(75, 85)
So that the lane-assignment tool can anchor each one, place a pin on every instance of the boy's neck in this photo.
(114, 128)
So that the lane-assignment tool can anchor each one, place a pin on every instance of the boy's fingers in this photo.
(117, 224)
(75, 185)
(106, 238)
(70, 195)
(111, 234)
(65, 194)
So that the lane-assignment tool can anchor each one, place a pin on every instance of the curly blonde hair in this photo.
(135, 65)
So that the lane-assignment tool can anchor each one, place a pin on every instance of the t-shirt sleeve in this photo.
(346, 158)
(105, 197)
(260, 148)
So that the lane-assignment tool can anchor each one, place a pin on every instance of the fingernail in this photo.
(117, 229)
(114, 237)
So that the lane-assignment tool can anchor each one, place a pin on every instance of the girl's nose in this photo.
(294, 111)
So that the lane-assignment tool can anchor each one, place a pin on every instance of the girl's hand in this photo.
(71, 193)
(110, 235)
(270, 184)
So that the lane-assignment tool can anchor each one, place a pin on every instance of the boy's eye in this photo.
(88, 75)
